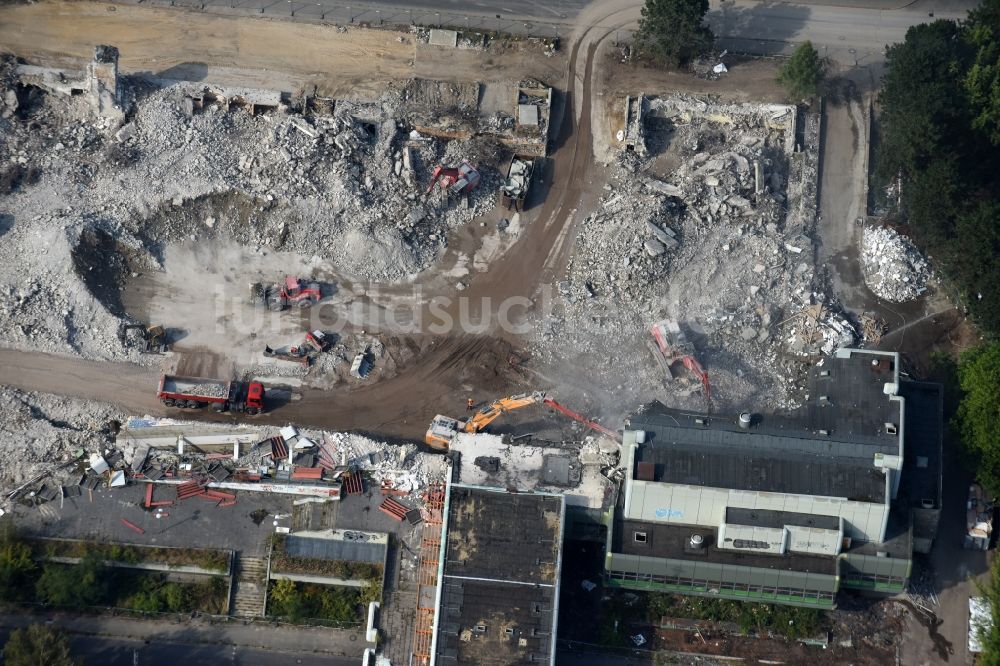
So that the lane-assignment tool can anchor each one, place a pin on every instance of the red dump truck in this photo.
(194, 392)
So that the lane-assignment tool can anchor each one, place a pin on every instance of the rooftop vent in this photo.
(927, 503)
(824, 432)
(824, 373)
(640, 436)
(891, 428)
(745, 419)
(697, 541)
(700, 421)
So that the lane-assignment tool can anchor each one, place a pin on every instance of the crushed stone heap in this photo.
(894, 269)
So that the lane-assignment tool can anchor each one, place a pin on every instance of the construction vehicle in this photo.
(443, 429)
(461, 180)
(318, 340)
(315, 342)
(196, 392)
(514, 191)
(293, 353)
(674, 348)
(280, 295)
(154, 338)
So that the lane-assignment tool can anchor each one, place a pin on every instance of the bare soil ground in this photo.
(257, 53)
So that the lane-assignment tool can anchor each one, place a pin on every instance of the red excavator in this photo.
(444, 428)
(461, 180)
(674, 348)
(280, 295)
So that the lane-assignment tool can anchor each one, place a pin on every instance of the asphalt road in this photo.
(101, 651)
(849, 29)
(106, 640)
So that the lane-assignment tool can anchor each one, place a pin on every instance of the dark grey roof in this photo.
(672, 542)
(694, 462)
(335, 549)
(485, 623)
(504, 536)
(500, 577)
(923, 431)
(827, 447)
(778, 519)
(848, 403)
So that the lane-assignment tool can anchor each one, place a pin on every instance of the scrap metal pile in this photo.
(894, 269)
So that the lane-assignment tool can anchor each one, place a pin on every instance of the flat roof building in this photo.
(784, 508)
(498, 583)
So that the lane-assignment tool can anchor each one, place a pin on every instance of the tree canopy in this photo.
(938, 140)
(978, 417)
(803, 72)
(672, 32)
(37, 645)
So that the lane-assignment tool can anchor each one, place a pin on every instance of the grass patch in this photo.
(303, 602)
(788, 621)
(211, 560)
(281, 561)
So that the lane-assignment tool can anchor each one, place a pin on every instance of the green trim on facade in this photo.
(735, 595)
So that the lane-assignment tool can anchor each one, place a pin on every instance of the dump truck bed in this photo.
(209, 389)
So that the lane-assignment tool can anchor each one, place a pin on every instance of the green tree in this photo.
(939, 128)
(978, 413)
(285, 600)
(803, 72)
(990, 639)
(673, 32)
(16, 567)
(982, 82)
(922, 109)
(82, 585)
(38, 645)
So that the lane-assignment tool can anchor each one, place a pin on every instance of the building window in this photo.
(640, 537)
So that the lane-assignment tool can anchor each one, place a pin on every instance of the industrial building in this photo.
(784, 508)
(498, 577)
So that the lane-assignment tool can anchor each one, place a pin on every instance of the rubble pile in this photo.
(346, 185)
(45, 434)
(708, 244)
(894, 269)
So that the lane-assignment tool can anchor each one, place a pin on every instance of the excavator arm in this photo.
(497, 408)
(443, 428)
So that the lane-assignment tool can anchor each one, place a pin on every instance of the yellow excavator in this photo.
(444, 428)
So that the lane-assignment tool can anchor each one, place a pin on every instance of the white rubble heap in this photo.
(894, 269)
(85, 203)
(721, 243)
(43, 433)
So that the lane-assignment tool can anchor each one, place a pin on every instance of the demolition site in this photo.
(444, 360)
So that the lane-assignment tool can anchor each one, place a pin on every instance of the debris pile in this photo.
(721, 241)
(894, 269)
(91, 202)
(45, 436)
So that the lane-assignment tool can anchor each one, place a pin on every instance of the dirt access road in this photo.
(451, 366)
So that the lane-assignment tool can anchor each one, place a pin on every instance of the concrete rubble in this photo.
(45, 436)
(894, 269)
(91, 201)
(50, 440)
(721, 242)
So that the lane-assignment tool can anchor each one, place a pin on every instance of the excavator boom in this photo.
(497, 408)
(593, 425)
(443, 428)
